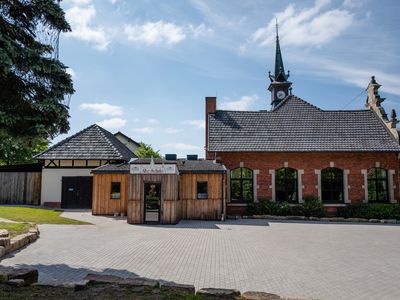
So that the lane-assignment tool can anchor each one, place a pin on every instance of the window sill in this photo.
(335, 204)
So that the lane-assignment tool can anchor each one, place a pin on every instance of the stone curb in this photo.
(8, 245)
(323, 219)
(23, 277)
(29, 276)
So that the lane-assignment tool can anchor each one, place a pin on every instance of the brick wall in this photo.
(309, 162)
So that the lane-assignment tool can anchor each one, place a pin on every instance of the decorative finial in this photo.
(276, 26)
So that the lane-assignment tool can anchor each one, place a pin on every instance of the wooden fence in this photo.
(20, 187)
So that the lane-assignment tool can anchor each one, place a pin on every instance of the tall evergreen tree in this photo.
(33, 83)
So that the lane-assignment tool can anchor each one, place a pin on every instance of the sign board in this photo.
(153, 168)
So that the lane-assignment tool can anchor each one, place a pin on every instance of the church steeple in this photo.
(279, 86)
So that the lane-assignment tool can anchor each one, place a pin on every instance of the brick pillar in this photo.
(211, 107)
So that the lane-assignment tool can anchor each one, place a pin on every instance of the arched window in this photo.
(241, 185)
(377, 185)
(332, 185)
(286, 185)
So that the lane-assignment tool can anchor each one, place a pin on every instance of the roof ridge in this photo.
(97, 136)
(289, 97)
(129, 138)
(104, 133)
(62, 142)
(383, 124)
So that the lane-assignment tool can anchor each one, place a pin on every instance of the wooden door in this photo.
(152, 202)
(77, 192)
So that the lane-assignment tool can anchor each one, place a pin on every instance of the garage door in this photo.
(77, 192)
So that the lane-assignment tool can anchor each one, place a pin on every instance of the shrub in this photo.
(312, 207)
(263, 207)
(370, 211)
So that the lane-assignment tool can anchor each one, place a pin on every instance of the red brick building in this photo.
(297, 149)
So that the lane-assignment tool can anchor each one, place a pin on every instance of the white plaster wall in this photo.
(51, 182)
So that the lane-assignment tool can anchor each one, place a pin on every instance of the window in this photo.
(202, 190)
(241, 185)
(377, 185)
(286, 185)
(115, 190)
(332, 185)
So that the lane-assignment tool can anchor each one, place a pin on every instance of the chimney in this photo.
(211, 107)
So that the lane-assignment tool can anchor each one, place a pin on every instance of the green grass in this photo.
(36, 215)
(15, 229)
(98, 292)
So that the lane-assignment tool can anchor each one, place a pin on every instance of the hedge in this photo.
(311, 207)
(370, 211)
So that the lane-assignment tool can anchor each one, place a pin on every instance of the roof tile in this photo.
(297, 126)
(93, 142)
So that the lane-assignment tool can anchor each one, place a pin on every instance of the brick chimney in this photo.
(211, 107)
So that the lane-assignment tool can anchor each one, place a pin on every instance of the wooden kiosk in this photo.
(161, 191)
(153, 193)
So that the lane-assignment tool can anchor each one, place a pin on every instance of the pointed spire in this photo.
(279, 74)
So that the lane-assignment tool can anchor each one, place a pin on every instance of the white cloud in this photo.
(80, 19)
(311, 26)
(200, 30)
(113, 123)
(361, 76)
(197, 123)
(151, 33)
(103, 108)
(172, 130)
(144, 130)
(244, 103)
(152, 121)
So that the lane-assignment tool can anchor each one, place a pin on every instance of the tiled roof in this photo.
(93, 142)
(187, 166)
(184, 166)
(112, 168)
(297, 126)
(200, 166)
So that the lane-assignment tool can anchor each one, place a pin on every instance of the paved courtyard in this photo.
(324, 261)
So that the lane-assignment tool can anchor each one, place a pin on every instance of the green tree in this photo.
(145, 150)
(32, 82)
(17, 151)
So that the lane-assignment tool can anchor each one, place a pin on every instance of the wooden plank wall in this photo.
(169, 197)
(102, 203)
(204, 209)
(20, 187)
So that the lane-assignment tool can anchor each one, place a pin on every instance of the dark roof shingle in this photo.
(93, 142)
(184, 166)
(297, 126)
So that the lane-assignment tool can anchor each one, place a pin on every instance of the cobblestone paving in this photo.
(324, 261)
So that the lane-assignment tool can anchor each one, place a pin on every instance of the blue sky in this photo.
(143, 67)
